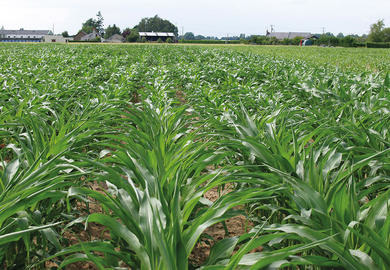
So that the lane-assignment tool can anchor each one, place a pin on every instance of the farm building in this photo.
(23, 35)
(115, 39)
(56, 39)
(79, 35)
(289, 35)
(91, 36)
(154, 36)
(83, 36)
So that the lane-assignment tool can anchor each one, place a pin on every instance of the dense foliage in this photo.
(111, 30)
(94, 24)
(379, 33)
(324, 40)
(156, 24)
(209, 41)
(133, 137)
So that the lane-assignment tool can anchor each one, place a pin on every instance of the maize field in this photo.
(108, 155)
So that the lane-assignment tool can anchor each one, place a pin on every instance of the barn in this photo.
(154, 36)
(115, 39)
(22, 35)
(289, 35)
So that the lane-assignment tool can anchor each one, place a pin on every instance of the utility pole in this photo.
(272, 28)
(178, 27)
(323, 30)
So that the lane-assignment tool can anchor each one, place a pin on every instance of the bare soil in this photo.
(236, 226)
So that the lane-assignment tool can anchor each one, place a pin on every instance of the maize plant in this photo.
(108, 155)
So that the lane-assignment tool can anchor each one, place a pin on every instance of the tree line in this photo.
(131, 34)
(379, 35)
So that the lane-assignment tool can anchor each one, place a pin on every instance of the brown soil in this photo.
(135, 98)
(93, 231)
(236, 226)
(180, 95)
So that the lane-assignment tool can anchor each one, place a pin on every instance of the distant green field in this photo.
(194, 157)
(347, 59)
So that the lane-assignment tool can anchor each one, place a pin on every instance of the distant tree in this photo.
(97, 39)
(328, 39)
(287, 41)
(340, 35)
(334, 41)
(156, 24)
(65, 34)
(261, 40)
(348, 41)
(231, 38)
(159, 40)
(273, 41)
(169, 40)
(361, 39)
(100, 23)
(126, 32)
(376, 34)
(200, 37)
(133, 36)
(386, 34)
(254, 39)
(89, 25)
(189, 36)
(296, 41)
(111, 30)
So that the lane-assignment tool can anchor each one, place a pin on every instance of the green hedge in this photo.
(95, 40)
(83, 41)
(359, 44)
(207, 41)
(378, 44)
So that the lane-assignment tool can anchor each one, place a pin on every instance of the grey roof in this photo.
(156, 34)
(290, 35)
(116, 37)
(25, 32)
(90, 36)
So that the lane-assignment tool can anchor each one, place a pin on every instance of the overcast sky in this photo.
(206, 17)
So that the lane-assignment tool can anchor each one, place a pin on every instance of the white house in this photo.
(23, 35)
(56, 39)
